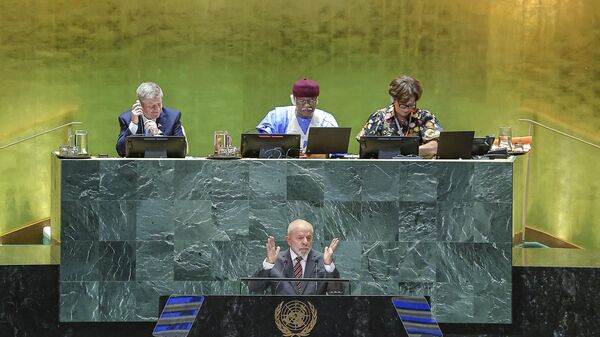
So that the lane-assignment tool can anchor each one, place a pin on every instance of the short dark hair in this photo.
(404, 88)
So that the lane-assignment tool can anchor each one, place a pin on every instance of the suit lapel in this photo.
(309, 271)
(289, 268)
(160, 121)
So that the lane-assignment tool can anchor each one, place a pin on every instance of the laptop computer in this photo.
(264, 145)
(327, 140)
(387, 147)
(482, 145)
(455, 144)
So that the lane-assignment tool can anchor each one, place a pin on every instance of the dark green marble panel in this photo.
(417, 261)
(192, 179)
(230, 180)
(454, 262)
(305, 181)
(117, 220)
(380, 181)
(418, 221)
(79, 302)
(348, 258)
(452, 302)
(193, 261)
(455, 181)
(420, 181)
(79, 220)
(341, 219)
(155, 179)
(116, 260)
(379, 221)
(117, 301)
(230, 258)
(492, 222)
(457, 221)
(267, 180)
(155, 220)
(80, 180)
(493, 182)
(79, 260)
(232, 219)
(119, 180)
(342, 181)
(154, 260)
(267, 218)
(193, 220)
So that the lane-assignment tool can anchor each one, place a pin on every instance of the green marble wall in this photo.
(132, 230)
(225, 64)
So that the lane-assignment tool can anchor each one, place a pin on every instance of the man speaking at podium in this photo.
(299, 261)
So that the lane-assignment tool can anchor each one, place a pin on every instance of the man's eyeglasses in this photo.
(304, 100)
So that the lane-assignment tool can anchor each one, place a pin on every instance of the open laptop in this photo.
(455, 144)
(327, 140)
(387, 147)
(482, 145)
(265, 145)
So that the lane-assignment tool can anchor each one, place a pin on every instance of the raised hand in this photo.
(272, 251)
(328, 252)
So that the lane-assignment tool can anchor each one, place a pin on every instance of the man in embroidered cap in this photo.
(298, 118)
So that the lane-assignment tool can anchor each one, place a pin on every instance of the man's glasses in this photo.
(304, 100)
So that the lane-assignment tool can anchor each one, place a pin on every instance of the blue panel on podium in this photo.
(415, 314)
(178, 316)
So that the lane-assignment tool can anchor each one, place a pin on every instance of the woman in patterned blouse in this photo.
(403, 118)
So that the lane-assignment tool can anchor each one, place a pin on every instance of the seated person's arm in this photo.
(268, 124)
(428, 150)
(430, 132)
(373, 126)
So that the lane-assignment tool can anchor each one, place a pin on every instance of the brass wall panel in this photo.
(225, 64)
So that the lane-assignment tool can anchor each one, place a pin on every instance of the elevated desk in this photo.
(132, 230)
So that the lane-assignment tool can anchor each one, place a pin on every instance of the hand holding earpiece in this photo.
(136, 111)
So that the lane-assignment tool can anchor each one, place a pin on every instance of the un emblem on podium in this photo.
(294, 318)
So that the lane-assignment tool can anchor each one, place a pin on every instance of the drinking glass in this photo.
(221, 142)
(505, 138)
(81, 142)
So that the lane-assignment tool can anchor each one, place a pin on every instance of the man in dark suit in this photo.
(147, 116)
(299, 261)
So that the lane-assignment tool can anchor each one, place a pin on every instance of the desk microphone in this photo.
(316, 269)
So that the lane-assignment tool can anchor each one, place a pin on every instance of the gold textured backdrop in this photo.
(483, 64)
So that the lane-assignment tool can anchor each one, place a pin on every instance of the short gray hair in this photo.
(149, 90)
(299, 222)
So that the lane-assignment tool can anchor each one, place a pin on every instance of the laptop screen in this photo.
(455, 144)
(328, 140)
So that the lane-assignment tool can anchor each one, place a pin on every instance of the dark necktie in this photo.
(298, 272)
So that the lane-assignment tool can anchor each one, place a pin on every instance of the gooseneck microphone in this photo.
(316, 269)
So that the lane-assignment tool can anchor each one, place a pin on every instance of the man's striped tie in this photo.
(298, 272)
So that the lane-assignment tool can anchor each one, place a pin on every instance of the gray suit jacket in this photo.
(284, 268)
